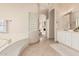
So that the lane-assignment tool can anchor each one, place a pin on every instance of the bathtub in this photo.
(4, 43)
(14, 49)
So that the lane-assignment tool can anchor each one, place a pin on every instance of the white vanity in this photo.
(68, 34)
(69, 38)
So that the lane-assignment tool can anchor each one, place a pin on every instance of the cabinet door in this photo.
(63, 37)
(75, 41)
(68, 39)
(59, 36)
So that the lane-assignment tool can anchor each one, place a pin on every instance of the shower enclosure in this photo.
(33, 28)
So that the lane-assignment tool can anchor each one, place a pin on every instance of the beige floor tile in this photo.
(40, 49)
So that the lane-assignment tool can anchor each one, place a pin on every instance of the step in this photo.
(64, 50)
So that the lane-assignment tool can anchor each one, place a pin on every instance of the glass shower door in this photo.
(33, 28)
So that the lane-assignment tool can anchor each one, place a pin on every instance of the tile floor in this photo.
(40, 49)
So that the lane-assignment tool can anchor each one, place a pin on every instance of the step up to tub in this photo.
(64, 50)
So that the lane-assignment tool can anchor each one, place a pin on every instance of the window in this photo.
(3, 26)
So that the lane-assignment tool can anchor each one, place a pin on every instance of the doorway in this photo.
(47, 24)
(42, 27)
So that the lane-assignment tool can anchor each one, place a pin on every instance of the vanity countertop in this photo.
(68, 31)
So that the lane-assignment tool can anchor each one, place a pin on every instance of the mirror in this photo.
(71, 21)
(66, 22)
(76, 20)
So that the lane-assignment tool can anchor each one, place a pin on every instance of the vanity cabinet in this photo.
(70, 39)
(61, 37)
(64, 37)
(75, 40)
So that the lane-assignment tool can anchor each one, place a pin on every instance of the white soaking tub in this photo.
(4, 42)
(14, 49)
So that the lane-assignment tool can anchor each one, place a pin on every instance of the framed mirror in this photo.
(70, 22)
